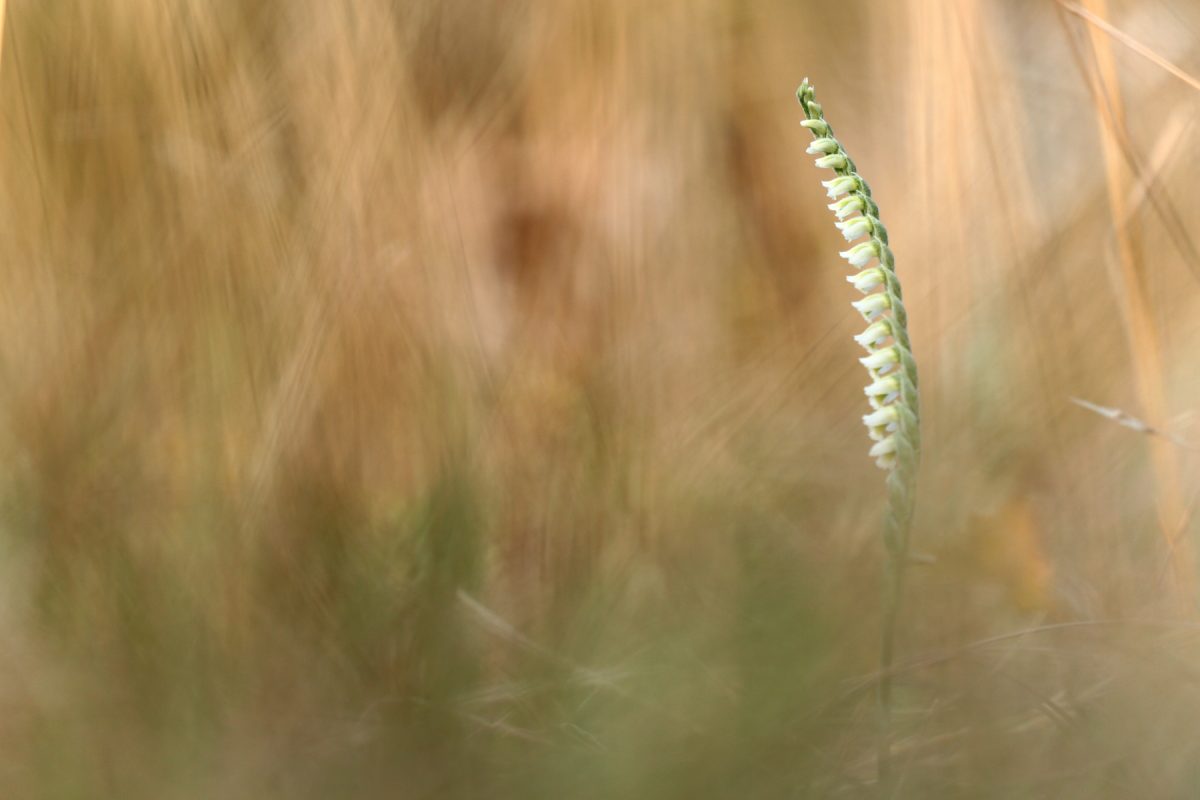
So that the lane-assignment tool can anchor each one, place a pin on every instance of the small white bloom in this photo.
(884, 387)
(840, 185)
(847, 206)
(855, 228)
(868, 280)
(835, 161)
(861, 254)
(884, 447)
(882, 358)
(886, 461)
(875, 333)
(881, 418)
(823, 145)
(818, 126)
(872, 306)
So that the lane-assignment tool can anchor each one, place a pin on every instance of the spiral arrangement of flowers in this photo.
(894, 421)
(892, 392)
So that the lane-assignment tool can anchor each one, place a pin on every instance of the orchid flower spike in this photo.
(893, 389)
(893, 423)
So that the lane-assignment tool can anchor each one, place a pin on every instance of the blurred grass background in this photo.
(445, 399)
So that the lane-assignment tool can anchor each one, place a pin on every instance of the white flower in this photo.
(884, 387)
(884, 447)
(875, 333)
(847, 206)
(861, 254)
(855, 228)
(872, 306)
(823, 145)
(835, 161)
(884, 452)
(886, 461)
(817, 126)
(881, 418)
(881, 358)
(868, 280)
(841, 185)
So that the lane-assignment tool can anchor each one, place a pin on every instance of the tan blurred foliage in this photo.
(293, 293)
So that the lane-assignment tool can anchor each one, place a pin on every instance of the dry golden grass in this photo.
(440, 399)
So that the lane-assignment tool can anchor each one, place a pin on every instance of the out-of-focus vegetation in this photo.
(446, 399)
